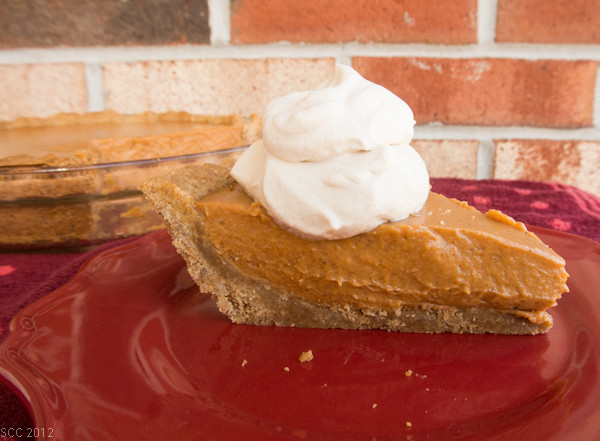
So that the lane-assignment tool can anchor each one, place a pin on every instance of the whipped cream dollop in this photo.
(336, 161)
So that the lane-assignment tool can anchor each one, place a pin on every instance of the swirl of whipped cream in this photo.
(346, 114)
(336, 162)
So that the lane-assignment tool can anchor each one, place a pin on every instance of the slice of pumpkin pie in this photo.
(328, 222)
(446, 268)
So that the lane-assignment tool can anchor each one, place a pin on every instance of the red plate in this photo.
(130, 350)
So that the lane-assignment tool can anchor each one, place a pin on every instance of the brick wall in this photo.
(500, 88)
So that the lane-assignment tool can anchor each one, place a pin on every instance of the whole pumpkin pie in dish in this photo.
(347, 234)
(72, 179)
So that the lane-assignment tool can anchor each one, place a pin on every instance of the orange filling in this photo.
(447, 254)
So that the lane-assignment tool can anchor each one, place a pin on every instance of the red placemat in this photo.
(25, 278)
(550, 205)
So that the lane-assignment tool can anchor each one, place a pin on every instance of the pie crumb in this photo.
(244, 362)
(408, 424)
(374, 405)
(287, 369)
(408, 373)
(306, 356)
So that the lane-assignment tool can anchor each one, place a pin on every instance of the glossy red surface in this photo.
(130, 350)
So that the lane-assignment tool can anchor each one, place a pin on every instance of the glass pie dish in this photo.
(73, 182)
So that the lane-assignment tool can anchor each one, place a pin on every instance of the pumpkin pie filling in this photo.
(446, 254)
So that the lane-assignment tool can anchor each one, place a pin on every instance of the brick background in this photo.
(546, 93)
(548, 21)
(332, 21)
(530, 109)
(42, 23)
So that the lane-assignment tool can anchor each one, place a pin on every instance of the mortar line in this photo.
(486, 21)
(485, 159)
(287, 50)
(94, 81)
(453, 132)
(219, 16)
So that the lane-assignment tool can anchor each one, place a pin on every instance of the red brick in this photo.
(548, 21)
(41, 90)
(574, 163)
(487, 91)
(43, 23)
(449, 158)
(332, 21)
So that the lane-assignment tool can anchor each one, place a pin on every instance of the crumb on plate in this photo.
(306, 356)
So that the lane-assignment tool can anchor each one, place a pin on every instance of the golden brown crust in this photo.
(110, 116)
(252, 301)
